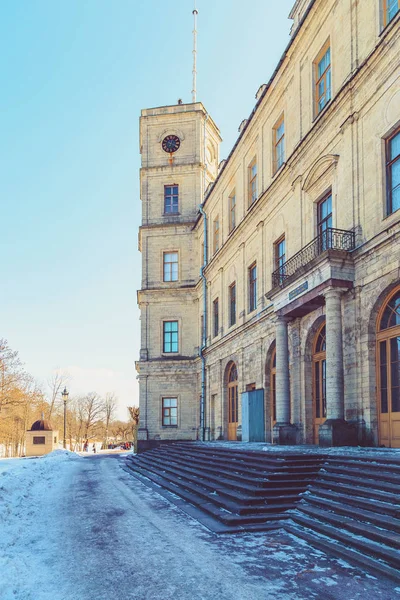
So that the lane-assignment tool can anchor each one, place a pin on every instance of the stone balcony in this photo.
(326, 260)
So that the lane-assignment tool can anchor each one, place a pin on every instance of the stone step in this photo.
(367, 530)
(375, 463)
(213, 482)
(364, 503)
(211, 503)
(350, 555)
(382, 520)
(365, 473)
(254, 476)
(363, 545)
(242, 459)
(356, 488)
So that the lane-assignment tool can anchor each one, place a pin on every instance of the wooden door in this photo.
(233, 404)
(319, 381)
(388, 371)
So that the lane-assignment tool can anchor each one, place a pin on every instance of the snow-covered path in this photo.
(84, 528)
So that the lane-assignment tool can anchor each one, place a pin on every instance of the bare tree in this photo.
(56, 383)
(12, 376)
(92, 412)
(110, 406)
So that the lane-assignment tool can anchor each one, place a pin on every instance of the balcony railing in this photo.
(330, 239)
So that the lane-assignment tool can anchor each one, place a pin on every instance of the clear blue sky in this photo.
(74, 77)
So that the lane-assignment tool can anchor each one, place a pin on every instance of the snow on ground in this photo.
(73, 528)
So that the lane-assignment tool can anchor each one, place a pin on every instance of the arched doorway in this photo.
(273, 389)
(233, 404)
(319, 380)
(388, 370)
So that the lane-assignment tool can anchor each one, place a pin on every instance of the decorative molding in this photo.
(171, 131)
(320, 167)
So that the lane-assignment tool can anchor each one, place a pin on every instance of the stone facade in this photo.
(339, 271)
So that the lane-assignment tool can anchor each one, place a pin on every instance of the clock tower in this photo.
(179, 146)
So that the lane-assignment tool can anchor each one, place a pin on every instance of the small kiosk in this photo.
(41, 439)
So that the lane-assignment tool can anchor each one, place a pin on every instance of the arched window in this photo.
(233, 404)
(388, 370)
(319, 379)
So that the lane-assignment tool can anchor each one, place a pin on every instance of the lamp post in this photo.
(65, 395)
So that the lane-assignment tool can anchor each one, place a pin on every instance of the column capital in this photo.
(281, 319)
(334, 292)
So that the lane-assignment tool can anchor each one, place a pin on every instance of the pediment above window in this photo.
(319, 169)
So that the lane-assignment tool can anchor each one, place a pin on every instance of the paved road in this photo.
(119, 540)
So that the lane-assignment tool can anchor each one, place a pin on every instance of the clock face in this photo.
(171, 143)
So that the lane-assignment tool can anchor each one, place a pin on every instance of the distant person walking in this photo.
(94, 448)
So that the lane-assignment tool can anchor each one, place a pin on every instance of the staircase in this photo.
(227, 490)
(352, 510)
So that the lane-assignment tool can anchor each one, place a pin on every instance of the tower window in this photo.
(170, 267)
(171, 199)
(170, 336)
(170, 412)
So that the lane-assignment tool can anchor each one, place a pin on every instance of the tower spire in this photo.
(194, 72)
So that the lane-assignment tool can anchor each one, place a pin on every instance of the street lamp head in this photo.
(65, 394)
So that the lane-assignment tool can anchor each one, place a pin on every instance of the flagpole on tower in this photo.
(195, 13)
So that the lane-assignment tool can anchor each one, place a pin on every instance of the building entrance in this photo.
(388, 371)
(233, 405)
(319, 380)
(273, 389)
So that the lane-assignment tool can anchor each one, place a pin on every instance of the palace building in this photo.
(270, 295)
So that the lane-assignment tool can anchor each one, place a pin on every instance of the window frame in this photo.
(275, 144)
(388, 172)
(252, 286)
(232, 304)
(385, 19)
(320, 221)
(317, 79)
(215, 317)
(171, 196)
(171, 342)
(278, 262)
(252, 179)
(165, 253)
(169, 416)
(216, 235)
(232, 211)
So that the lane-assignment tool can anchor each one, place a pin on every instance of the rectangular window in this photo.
(252, 287)
(216, 317)
(232, 211)
(170, 270)
(232, 304)
(216, 234)
(170, 412)
(393, 172)
(252, 182)
(170, 336)
(324, 216)
(323, 86)
(280, 257)
(39, 440)
(279, 144)
(390, 10)
(171, 199)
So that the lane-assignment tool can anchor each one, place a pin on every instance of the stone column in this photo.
(282, 372)
(283, 432)
(335, 431)
(334, 354)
